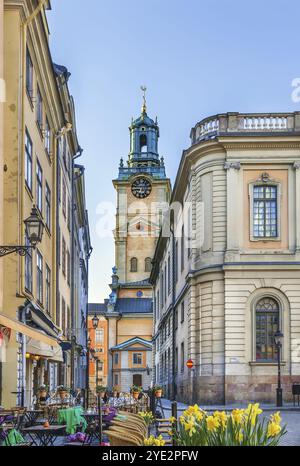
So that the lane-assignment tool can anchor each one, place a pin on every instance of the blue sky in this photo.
(196, 57)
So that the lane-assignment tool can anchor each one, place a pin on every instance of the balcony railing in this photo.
(225, 123)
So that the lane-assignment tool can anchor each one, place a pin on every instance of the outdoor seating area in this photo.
(59, 421)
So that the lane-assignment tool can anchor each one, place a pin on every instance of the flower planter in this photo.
(63, 395)
(135, 395)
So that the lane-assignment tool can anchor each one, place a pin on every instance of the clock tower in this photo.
(143, 192)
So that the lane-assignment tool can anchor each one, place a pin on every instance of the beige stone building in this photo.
(229, 277)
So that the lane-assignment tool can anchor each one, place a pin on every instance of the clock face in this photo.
(141, 188)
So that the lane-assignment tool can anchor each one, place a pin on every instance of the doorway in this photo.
(137, 380)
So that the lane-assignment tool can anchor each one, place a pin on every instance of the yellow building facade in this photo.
(40, 143)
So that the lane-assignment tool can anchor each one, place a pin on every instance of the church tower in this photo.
(142, 193)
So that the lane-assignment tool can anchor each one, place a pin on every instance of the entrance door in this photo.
(137, 380)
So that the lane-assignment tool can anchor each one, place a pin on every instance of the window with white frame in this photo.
(28, 160)
(48, 206)
(39, 187)
(48, 289)
(137, 359)
(267, 318)
(265, 211)
(47, 137)
(99, 336)
(39, 276)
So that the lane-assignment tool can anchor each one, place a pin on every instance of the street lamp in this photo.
(34, 228)
(278, 337)
(95, 321)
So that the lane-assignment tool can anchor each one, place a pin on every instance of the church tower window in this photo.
(133, 264)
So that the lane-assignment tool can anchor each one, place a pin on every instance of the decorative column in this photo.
(234, 211)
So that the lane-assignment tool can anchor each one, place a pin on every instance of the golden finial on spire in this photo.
(144, 107)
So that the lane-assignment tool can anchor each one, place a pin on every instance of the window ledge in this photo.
(262, 363)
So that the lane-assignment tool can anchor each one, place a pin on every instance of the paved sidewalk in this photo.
(290, 416)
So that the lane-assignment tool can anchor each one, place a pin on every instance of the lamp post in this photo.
(278, 337)
(34, 228)
(95, 323)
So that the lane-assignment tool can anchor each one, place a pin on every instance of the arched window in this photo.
(148, 264)
(267, 324)
(133, 264)
(143, 143)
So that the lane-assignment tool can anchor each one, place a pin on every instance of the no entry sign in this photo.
(190, 364)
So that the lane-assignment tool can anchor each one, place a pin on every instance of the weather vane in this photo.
(144, 108)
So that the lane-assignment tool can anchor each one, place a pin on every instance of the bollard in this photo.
(174, 414)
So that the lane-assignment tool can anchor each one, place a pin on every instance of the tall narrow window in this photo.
(28, 267)
(28, 160)
(99, 336)
(58, 316)
(267, 324)
(63, 256)
(148, 264)
(47, 137)
(133, 264)
(39, 108)
(182, 311)
(69, 215)
(29, 74)
(63, 315)
(169, 275)
(143, 143)
(39, 276)
(64, 198)
(265, 222)
(48, 290)
(182, 357)
(39, 187)
(68, 268)
(48, 206)
(182, 249)
(176, 261)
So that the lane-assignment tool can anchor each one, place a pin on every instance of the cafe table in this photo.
(73, 418)
(44, 436)
(32, 415)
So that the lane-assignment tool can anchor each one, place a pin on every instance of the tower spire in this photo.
(144, 107)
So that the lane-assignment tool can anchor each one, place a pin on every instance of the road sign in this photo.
(190, 364)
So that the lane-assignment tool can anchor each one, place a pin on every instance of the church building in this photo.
(143, 193)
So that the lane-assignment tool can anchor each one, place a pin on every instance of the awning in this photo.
(28, 331)
(40, 348)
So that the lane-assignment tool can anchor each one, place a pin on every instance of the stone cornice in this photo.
(261, 145)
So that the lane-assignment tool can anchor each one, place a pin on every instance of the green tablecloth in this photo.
(13, 438)
(73, 418)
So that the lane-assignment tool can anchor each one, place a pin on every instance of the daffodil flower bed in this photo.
(154, 442)
(241, 427)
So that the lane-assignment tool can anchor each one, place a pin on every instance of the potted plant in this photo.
(157, 390)
(63, 391)
(115, 391)
(43, 391)
(101, 390)
(136, 390)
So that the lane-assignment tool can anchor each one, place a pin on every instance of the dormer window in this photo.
(143, 143)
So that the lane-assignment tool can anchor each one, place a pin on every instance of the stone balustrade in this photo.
(225, 123)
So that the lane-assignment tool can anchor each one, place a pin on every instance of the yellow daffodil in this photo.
(253, 411)
(222, 417)
(190, 427)
(199, 416)
(152, 441)
(276, 418)
(173, 419)
(239, 436)
(212, 423)
(273, 429)
(237, 416)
